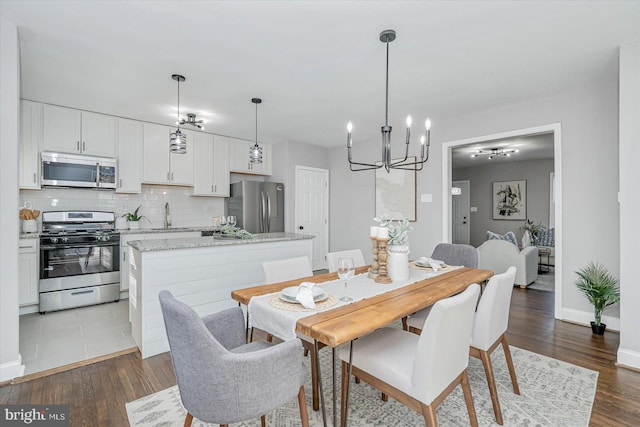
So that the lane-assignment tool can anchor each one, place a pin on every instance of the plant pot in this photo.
(398, 262)
(134, 225)
(598, 329)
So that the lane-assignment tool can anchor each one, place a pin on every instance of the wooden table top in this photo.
(343, 324)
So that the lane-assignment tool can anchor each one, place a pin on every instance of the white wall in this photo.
(186, 211)
(481, 177)
(10, 360)
(589, 119)
(629, 351)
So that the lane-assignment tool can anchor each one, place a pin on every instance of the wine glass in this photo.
(346, 270)
(232, 220)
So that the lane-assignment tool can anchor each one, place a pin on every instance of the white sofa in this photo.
(498, 255)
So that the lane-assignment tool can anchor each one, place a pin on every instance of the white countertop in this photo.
(204, 242)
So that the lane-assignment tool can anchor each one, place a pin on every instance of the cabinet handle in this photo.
(215, 188)
(25, 247)
(212, 189)
(34, 177)
(83, 146)
(171, 176)
(124, 255)
(168, 177)
(78, 145)
(120, 182)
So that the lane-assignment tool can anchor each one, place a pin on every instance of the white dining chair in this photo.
(419, 371)
(290, 269)
(489, 330)
(333, 257)
(286, 269)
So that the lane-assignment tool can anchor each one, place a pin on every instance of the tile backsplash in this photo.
(186, 210)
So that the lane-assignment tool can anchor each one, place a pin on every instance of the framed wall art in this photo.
(396, 193)
(510, 200)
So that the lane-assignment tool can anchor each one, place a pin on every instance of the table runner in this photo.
(282, 323)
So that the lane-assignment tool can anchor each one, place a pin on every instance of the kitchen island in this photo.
(199, 271)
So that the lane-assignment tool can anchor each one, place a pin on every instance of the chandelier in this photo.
(255, 152)
(493, 152)
(387, 36)
(178, 139)
(191, 120)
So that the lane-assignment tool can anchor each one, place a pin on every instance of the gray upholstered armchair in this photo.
(221, 379)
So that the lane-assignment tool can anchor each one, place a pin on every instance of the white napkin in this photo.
(434, 263)
(305, 294)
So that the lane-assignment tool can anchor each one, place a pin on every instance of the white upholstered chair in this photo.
(489, 331)
(333, 257)
(498, 255)
(289, 269)
(419, 371)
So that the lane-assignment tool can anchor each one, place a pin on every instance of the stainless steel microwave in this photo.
(73, 170)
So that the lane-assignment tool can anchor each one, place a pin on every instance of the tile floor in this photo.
(62, 337)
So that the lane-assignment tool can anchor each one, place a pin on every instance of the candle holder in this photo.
(373, 270)
(382, 261)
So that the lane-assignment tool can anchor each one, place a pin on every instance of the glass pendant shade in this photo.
(178, 142)
(255, 154)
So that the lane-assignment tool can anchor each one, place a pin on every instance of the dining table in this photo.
(375, 305)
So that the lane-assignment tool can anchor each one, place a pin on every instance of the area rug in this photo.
(553, 393)
(545, 281)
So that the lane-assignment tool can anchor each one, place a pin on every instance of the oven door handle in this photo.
(79, 246)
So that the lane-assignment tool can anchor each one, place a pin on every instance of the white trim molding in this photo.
(12, 369)
(554, 128)
(586, 317)
(628, 358)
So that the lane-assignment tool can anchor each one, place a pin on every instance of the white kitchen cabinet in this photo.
(30, 143)
(239, 158)
(160, 165)
(129, 149)
(73, 131)
(125, 250)
(28, 271)
(211, 165)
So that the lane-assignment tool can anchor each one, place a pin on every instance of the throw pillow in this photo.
(547, 238)
(509, 236)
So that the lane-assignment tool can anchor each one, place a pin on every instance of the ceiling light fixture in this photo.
(387, 36)
(191, 120)
(255, 152)
(178, 139)
(493, 152)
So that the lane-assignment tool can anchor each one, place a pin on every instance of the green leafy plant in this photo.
(599, 286)
(534, 229)
(235, 231)
(135, 216)
(398, 229)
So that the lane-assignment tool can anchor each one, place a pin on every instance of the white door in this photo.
(461, 216)
(312, 210)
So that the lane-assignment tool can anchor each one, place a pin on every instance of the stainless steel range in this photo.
(79, 259)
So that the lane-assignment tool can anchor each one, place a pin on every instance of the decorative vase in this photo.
(134, 225)
(598, 329)
(398, 262)
(526, 239)
(29, 226)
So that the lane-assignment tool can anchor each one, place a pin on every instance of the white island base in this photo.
(200, 272)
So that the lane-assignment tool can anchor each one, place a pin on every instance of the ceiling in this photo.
(315, 64)
(531, 147)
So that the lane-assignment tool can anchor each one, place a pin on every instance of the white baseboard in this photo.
(628, 358)
(11, 370)
(586, 317)
(28, 309)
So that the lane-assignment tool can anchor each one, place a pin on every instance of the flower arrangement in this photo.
(235, 231)
(398, 229)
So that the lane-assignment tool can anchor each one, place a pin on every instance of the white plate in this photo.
(317, 296)
(292, 291)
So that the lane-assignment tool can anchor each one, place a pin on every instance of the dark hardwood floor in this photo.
(97, 393)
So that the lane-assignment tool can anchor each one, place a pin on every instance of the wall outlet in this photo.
(426, 198)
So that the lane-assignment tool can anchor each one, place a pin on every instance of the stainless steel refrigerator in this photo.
(258, 206)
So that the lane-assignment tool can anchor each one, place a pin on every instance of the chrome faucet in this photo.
(167, 216)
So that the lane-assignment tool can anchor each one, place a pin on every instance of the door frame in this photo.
(468, 182)
(296, 222)
(554, 128)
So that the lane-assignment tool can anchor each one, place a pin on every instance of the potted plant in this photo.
(134, 218)
(398, 248)
(601, 289)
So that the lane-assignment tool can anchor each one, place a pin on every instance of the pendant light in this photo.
(387, 36)
(178, 139)
(255, 152)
